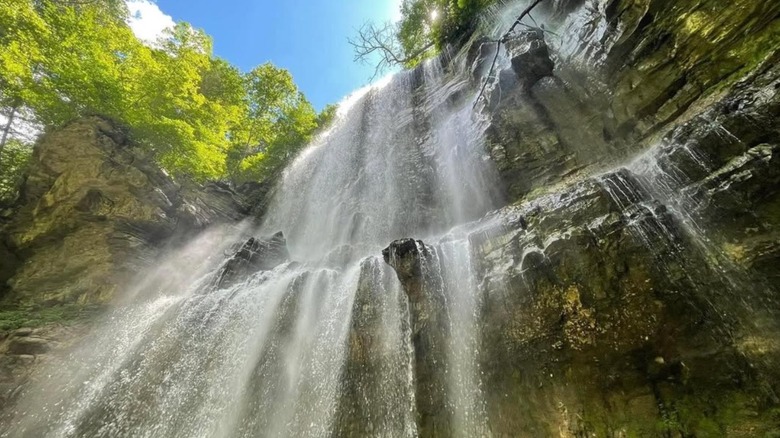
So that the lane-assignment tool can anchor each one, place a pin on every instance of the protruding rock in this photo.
(254, 256)
(405, 256)
(530, 60)
(428, 320)
(94, 212)
(479, 58)
(530, 56)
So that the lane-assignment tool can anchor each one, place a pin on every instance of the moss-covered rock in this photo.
(94, 212)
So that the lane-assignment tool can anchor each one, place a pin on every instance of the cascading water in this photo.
(601, 304)
(275, 354)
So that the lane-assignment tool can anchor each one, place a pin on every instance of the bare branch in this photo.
(503, 38)
(379, 42)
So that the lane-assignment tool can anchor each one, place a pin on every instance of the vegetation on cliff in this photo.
(424, 28)
(196, 114)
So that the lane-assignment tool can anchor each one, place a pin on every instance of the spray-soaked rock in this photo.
(480, 56)
(412, 262)
(530, 62)
(254, 256)
(530, 56)
(405, 256)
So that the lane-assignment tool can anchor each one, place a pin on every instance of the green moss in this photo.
(14, 318)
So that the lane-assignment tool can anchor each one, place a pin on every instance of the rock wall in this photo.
(630, 287)
(626, 71)
(93, 214)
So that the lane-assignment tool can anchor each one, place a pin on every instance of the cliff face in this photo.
(631, 287)
(93, 215)
(626, 71)
(628, 288)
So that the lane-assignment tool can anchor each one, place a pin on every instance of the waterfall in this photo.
(564, 260)
(321, 345)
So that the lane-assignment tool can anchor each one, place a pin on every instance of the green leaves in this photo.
(276, 122)
(22, 31)
(196, 114)
(14, 158)
(425, 27)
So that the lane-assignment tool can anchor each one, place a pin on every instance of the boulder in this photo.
(255, 255)
(529, 56)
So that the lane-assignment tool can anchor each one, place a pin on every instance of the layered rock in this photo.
(377, 394)
(93, 214)
(429, 331)
(603, 316)
(254, 255)
(625, 72)
(631, 289)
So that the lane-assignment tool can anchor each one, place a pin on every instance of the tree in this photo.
(425, 27)
(15, 157)
(183, 102)
(21, 31)
(326, 117)
(83, 64)
(379, 44)
(63, 59)
(277, 121)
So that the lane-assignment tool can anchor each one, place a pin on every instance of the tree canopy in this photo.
(425, 27)
(196, 114)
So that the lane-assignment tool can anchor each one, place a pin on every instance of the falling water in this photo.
(318, 346)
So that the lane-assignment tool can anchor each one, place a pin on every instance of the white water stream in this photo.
(268, 356)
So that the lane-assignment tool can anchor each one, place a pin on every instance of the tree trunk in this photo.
(7, 131)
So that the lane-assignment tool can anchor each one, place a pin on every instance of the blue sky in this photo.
(307, 37)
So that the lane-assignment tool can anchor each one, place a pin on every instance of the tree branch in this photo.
(381, 41)
(503, 38)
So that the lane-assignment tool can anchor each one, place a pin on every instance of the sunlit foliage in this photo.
(14, 158)
(196, 114)
(426, 26)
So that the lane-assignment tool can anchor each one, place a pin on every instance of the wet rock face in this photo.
(377, 394)
(255, 255)
(479, 58)
(94, 212)
(530, 62)
(638, 301)
(529, 55)
(405, 256)
(428, 321)
(600, 313)
(625, 72)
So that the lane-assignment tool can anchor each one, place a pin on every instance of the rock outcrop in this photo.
(429, 331)
(630, 289)
(254, 255)
(93, 214)
(626, 72)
